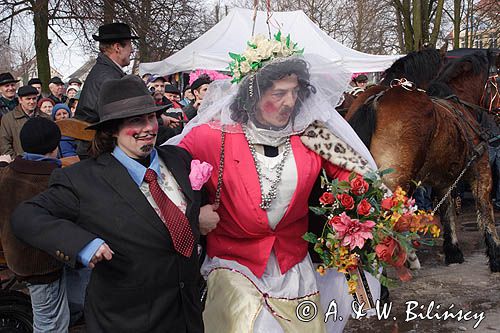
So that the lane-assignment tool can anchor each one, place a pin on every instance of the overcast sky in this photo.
(65, 59)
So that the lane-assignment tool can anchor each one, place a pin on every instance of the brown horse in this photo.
(432, 139)
(346, 104)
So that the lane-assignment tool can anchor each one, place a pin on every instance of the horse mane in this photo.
(420, 67)
(440, 86)
(363, 121)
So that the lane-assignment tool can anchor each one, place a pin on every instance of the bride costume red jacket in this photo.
(243, 233)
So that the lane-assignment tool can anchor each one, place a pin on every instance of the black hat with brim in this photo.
(114, 31)
(124, 98)
(7, 78)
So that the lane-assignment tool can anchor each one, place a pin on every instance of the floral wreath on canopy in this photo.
(260, 50)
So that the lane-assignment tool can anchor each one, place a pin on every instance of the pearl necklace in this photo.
(267, 198)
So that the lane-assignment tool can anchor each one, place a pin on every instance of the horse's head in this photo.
(464, 77)
(490, 99)
(419, 67)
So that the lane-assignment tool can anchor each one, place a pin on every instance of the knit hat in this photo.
(45, 99)
(39, 135)
(58, 107)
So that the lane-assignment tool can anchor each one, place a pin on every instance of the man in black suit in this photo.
(129, 213)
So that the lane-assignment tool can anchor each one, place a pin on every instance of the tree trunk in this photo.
(108, 11)
(399, 29)
(142, 29)
(409, 38)
(457, 4)
(417, 24)
(426, 13)
(41, 22)
(437, 23)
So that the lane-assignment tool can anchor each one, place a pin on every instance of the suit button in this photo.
(181, 285)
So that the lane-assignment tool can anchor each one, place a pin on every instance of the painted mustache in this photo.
(144, 136)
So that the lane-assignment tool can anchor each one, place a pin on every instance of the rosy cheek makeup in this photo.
(269, 107)
(155, 127)
(132, 132)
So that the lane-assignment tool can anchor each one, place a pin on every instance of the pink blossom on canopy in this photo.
(352, 232)
(213, 75)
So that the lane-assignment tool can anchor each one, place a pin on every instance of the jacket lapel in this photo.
(179, 172)
(118, 178)
(246, 171)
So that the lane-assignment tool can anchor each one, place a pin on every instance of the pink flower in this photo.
(352, 232)
(213, 75)
(200, 173)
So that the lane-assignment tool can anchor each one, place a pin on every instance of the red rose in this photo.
(346, 200)
(389, 248)
(334, 220)
(385, 249)
(326, 198)
(386, 204)
(359, 186)
(364, 207)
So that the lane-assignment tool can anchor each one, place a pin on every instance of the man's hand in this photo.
(103, 252)
(208, 219)
(170, 121)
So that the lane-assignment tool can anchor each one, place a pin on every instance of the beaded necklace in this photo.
(267, 198)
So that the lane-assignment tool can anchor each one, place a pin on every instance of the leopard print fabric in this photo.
(323, 142)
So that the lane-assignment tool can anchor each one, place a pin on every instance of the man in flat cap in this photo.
(75, 82)
(8, 100)
(12, 123)
(131, 214)
(56, 87)
(115, 49)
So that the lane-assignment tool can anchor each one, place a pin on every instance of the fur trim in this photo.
(323, 142)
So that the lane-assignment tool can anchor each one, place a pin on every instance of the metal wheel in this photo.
(15, 312)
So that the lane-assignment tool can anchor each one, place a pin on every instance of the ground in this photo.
(469, 286)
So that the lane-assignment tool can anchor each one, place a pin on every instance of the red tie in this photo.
(173, 218)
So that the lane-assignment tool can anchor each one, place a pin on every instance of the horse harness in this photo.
(477, 149)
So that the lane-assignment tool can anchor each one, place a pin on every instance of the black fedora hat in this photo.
(114, 31)
(124, 98)
(7, 78)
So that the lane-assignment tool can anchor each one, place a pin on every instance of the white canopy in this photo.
(210, 50)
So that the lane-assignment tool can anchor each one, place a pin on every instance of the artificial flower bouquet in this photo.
(367, 226)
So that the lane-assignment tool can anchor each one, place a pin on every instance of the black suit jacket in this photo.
(103, 70)
(147, 286)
